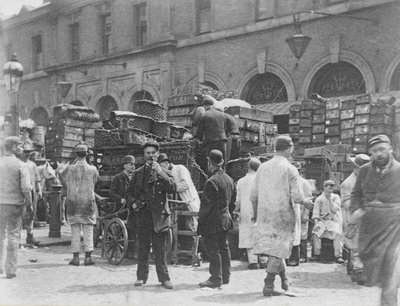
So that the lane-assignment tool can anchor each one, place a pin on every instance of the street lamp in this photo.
(13, 71)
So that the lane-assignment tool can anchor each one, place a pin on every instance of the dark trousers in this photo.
(148, 237)
(218, 145)
(217, 249)
(131, 227)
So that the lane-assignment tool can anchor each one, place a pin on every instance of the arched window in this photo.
(139, 95)
(339, 79)
(39, 115)
(105, 105)
(264, 88)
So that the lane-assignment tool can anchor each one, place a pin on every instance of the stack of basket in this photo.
(70, 126)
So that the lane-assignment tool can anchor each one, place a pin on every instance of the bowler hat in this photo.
(216, 158)
(128, 159)
(81, 148)
(329, 182)
(163, 157)
(360, 159)
(378, 139)
(208, 100)
(153, 144)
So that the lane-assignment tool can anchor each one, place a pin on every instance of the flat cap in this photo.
(81, 148)
(283, 143)
(329, 182)
(12, 140)
(128, 159)
(382, 138)
(153, 144)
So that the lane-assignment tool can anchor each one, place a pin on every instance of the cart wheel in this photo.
(115, 241)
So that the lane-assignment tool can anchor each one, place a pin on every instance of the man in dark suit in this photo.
(118, 188)
(147, 192)
(215, 221)
(212, 127)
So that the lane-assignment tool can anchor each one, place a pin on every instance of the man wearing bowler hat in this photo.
(119, 186)
(276, 187)
(351, 230)
(215, 220)
(147, 193)
(375, 199)
(79, 179)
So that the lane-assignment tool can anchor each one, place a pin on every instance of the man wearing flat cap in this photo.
(15, 197)
(351, 230)
(215, 220)
(327, 217)
(375, 199)
(79, 179)
(147, 193)
(119, 186)
(275, 190)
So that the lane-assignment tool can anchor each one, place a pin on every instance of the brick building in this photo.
(111, 53)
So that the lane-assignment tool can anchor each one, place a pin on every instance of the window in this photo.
(74, 41)
(141, 24)
(203, 12)
(265, 9)
(106, 33)
(37, 55)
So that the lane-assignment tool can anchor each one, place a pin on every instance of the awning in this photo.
(281, 108)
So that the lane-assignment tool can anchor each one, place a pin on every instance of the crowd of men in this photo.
(273, 201)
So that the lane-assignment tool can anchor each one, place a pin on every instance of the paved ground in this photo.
(45, 278)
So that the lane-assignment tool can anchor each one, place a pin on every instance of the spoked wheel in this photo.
(115, 242)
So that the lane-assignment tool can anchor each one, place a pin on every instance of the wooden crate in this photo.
(332, 130)
(362, 119)
(348, 104)
(383, 109)
(329, 140)
(320, 111)
(295, 108)
(333, 104)
(335, 121)
(376, 129)
(294, 115)
(361, 129)
(348, 142)
(305, 139)
(305, 122)
(347, 134)
(359, 148)
(347, 124)
(319, 118)
(318, 128)
(347, 114)
(306, 113)
(332, 114)
(318, 138)
(307, 104)
(363, 99)
(361, 138)
(294, 121)
(380, 119)
(250, 113)
(363, 109)
(182, 100)
(294, 129)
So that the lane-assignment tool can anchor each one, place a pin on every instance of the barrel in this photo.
(38, 135)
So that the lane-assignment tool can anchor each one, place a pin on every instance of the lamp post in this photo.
(13, 71)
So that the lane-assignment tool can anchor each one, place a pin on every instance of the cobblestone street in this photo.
(45, 278)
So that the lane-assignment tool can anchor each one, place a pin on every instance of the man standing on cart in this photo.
(148, 194)
(118, 188)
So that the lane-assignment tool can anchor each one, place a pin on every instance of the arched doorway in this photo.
(395, 80)
(39, 115)
(106, 105)
(139, 95)
(338, 79)
(264, 88)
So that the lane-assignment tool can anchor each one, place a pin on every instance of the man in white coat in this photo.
(276, 187)
(245, 209)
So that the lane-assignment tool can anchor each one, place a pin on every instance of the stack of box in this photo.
(318, 120)
(294, 120)
(332, 122)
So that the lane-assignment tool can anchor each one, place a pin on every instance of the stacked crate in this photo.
(294, 128)
(332, 122)
(179, 108)
(361, 124)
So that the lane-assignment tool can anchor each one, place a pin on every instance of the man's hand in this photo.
(308, 204)
(156, 167)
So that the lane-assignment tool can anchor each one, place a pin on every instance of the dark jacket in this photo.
(152, 195)
(212, 126)
(214, 214)
(119, 186)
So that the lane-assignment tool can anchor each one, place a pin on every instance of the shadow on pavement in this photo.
(41, 266)
(229, 298)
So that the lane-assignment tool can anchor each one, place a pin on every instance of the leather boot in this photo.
(294, 257)
(268, 289)
(31, 240)
(88, 259)
(303, 251)
(284, 281)
(75, 259)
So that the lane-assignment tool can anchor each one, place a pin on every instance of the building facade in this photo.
(107, 54)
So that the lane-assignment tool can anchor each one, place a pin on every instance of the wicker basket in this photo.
(237, 168)
(150, 109)
(107, 138)
(134, 136)
(141, 122)
(177, 131)
(161, 129)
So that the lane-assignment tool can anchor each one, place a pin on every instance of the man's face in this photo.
(381, 153)
(165, 165)
(129, 167)
(17, 149)
(150, 154)
(328, 189)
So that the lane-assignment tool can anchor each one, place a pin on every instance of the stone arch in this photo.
(208, 78)
(390, 71)
(105, 105)
(344, 56)
(139, 95)
(99, 94)
(272, 68)
(39, 115)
